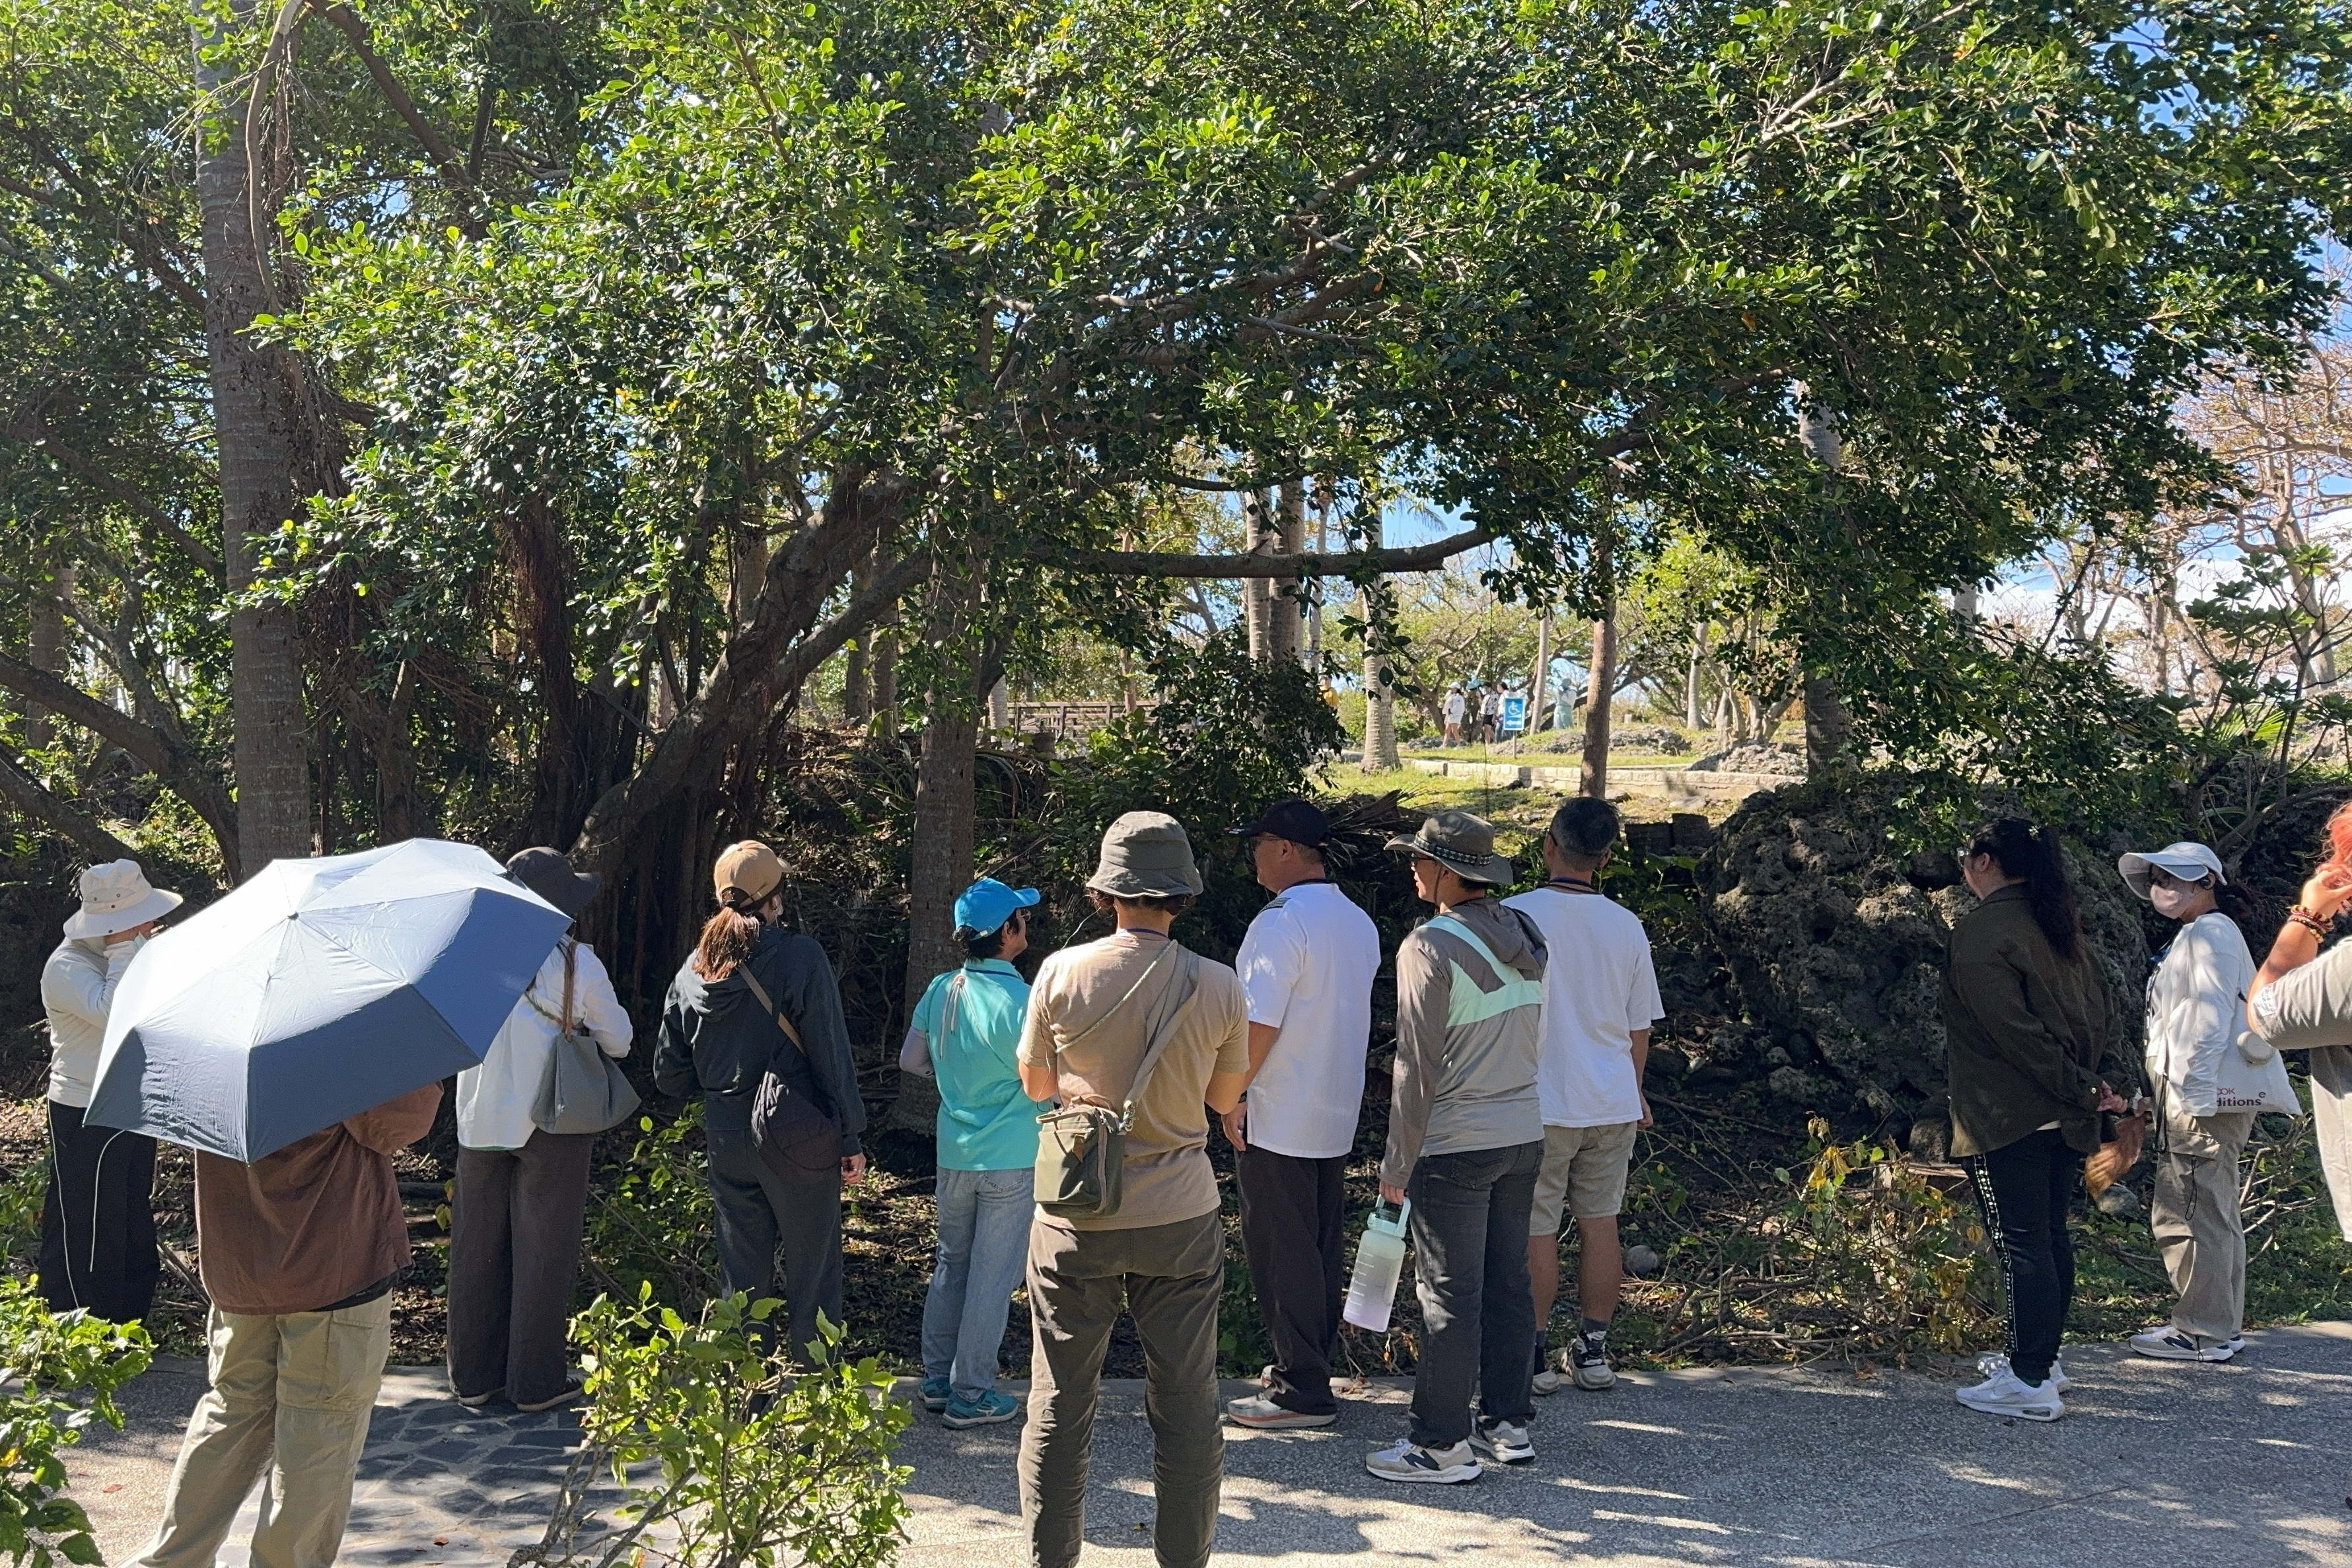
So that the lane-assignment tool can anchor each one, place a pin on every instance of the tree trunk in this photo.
(1379, 697)
(46, 649)
(258, 432)
(1594, 781)
(1541, 680)
(1286, 596)
(941, 852)
(1263, 537)
(1829, 727)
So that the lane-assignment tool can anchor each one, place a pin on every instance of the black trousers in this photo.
(1294, 1231)
(2023, 1189)
(514, 1258)
(757, 1209)
(97, 1223)
(1469, 1229)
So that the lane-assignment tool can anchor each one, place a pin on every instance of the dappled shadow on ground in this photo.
(2228, 1465)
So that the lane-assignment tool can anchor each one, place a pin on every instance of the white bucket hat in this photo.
(116, 897)
(2189, 862)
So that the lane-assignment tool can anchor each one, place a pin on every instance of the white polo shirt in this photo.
(1599, 987)
(1307, 966)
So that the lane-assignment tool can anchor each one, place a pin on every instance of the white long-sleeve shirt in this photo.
(78, 989)
(2196, 1008)
(495, 1101)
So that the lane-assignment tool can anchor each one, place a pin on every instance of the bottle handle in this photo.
(1380, 1212)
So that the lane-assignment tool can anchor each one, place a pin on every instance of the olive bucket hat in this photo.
(1146, 855)
(1461, 843)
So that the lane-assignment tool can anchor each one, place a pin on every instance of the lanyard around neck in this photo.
(1571, 884)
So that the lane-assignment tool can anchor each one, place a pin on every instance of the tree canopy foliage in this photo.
(632, 359)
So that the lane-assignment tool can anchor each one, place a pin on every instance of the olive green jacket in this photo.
(2028, 1033)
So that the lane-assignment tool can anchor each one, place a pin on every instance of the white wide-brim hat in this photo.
(116, 897)
(2191, 862)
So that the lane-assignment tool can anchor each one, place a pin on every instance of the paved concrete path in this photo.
(2219, 1465)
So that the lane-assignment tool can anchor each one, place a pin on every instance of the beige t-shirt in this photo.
(1083, 1018)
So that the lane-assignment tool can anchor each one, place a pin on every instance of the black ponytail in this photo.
(2019, 849)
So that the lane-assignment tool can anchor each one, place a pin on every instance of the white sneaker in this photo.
(2005, 1394)
(1501, 1441)
(1407, 1461)
(1993, 1363)
(2164, 1343)
(1547, 1378)
(1259, 1411)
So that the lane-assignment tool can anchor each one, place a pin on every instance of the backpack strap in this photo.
(773, 1010)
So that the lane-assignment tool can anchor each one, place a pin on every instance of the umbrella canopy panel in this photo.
(318, 990)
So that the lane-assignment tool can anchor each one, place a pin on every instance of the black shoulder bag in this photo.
(793, 1132)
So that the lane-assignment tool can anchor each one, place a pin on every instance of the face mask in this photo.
(2169, 901)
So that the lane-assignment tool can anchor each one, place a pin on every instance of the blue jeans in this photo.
(983, 1251)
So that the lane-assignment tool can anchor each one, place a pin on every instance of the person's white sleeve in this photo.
(915, 1054)
(1270, 961)
(599, 1008)
(71, 988)
(1643, 1007)
(2209, 1023)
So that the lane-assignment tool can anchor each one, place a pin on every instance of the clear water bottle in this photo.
(1379, 1263)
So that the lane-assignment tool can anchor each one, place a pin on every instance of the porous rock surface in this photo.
(1836, 938)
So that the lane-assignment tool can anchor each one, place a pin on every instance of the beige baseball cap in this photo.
(750, 869)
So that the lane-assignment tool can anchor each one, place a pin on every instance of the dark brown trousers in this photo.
(514, 1256)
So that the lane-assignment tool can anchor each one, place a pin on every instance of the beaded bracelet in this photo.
(2299, 916)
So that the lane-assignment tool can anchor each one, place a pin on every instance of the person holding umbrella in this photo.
(750, 1000)
(295, 1034)
(522, 1188)
(299, 1252)
(98, 1221)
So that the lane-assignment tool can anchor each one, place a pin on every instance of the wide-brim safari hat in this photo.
(116, 897)
(2189, 862)
(1461, 843)
(1146, 855)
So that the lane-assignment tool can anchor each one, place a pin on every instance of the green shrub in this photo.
(757, 1464)
(44, 1358)
(650, 1219)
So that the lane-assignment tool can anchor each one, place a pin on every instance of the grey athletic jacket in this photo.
(1468, 1036)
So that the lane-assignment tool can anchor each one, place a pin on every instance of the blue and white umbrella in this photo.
(315, 991)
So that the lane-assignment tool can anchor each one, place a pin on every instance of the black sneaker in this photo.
(1588, 1358)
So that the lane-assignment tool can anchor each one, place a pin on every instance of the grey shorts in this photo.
(1583, 1175)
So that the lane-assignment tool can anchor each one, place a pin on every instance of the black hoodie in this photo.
(716, 1037)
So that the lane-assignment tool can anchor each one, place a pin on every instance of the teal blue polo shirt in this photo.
(986, 1123)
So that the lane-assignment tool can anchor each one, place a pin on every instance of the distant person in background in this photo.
(720, 1033)
(1456, 704)
(2302, 1001)
(966, 1038)
(98, 1221)
(299, 1252)
(2030, 1030)
(1096, 1017)
(1307, 966)
(1465, 1146)
(1490, 715)
(1600, 997)
(2195, 1016)
(523, 1191)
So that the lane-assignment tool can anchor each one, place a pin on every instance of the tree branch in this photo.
(157, 264)
(23, 791)
(1345, 564)
(181, 771)
(196, 550)
(451, 162)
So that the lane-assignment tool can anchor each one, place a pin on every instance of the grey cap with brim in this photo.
(1461, 843)
(2191, 862)
(1146, 855)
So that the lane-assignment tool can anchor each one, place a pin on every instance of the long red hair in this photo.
(2336, 867)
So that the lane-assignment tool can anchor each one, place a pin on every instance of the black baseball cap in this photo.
(1297, 820)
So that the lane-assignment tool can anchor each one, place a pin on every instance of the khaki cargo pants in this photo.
(290, 1400)
(2196, 1219)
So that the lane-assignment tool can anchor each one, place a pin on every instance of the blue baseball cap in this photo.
(989, 903)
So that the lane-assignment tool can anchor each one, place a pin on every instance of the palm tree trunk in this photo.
(257, 430)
